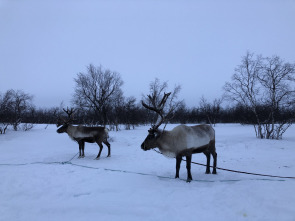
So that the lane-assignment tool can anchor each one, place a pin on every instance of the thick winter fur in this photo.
(83, 134)
(184, 141)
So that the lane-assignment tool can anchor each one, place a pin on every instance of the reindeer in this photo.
(181, 141)
(82, 134)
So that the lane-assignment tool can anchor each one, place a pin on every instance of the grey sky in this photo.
(197, 44)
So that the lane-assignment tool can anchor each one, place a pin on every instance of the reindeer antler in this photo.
(62, 120)
(158, 108)
(69, 112)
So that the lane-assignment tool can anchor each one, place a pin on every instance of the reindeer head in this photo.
(62, 129)
(151, 140)
(64, 123)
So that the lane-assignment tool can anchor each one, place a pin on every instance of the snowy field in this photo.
(37, 184)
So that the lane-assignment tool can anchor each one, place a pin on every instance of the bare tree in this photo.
(263, 85)
(14, 107)
(130, 108)
(3, 121)
(244, 88)
(116, 106)
(96, 91)
(211, 110)
(155, 97)
(275, 78)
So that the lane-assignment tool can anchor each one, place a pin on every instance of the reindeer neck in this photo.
(162, 139)
(71, 130)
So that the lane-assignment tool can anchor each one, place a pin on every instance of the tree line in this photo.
(261, 93)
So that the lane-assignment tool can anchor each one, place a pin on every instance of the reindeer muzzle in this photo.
(143, 147)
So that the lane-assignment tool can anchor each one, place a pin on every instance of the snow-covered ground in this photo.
(137, 185)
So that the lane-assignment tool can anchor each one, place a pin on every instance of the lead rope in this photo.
(237, 171)
(125, 171)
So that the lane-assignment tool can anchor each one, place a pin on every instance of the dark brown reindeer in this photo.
(181, 141)
(82, 134)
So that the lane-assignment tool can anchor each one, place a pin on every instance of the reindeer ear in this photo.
(157, 133)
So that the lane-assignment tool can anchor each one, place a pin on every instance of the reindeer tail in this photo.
(106, 132)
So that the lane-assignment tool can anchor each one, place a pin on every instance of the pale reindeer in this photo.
(181, 141)
(82, 134)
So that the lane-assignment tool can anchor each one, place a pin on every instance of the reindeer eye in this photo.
(151, 136)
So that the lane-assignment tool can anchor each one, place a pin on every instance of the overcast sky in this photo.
(197, 44)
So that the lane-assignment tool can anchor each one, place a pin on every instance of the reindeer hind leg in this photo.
(80, 149)
(100, 149)
(109, 147)
(214, 155)
(188, 167)
(83, 146)
(208, 162)
(214, 162)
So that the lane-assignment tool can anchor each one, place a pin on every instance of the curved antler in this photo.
(62, 120)
(158, 108)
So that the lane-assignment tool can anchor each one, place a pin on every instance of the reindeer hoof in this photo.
(188, 180)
